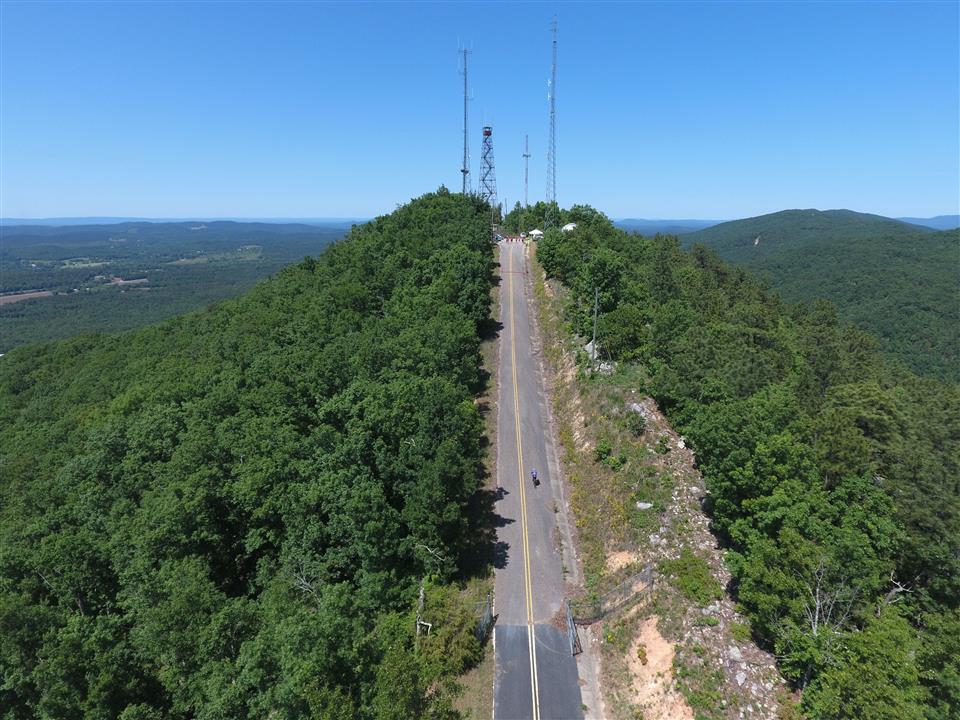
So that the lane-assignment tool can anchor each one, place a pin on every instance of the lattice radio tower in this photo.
(465, 166)
(488, 177)
(552, 141)
(526, 169)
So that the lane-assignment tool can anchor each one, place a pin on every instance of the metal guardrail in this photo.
(572, 636)
(593, 608)
(486, 618)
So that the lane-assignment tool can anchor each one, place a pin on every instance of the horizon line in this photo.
(346, 218)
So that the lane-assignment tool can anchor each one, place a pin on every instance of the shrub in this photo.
(691, 576)
(615, 462)
(642, 654)
(603, 450)
(636, 424)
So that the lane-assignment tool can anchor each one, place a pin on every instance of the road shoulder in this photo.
(588, 663)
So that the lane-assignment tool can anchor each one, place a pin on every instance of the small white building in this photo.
(536, 234)
(568, 227)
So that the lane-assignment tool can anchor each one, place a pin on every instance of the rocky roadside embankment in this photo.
(673, 655)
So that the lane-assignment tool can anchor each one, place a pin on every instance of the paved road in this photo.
(536, 677)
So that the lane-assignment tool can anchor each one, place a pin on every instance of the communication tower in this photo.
(465, 166)
(488, 177)
(526, 169)
(552, 141)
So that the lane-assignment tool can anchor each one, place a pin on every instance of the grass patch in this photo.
(476, 697)
(618, 635)
(690, 574)
(700, 685)
(741, 632)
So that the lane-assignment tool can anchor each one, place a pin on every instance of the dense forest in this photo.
(178, 267)
(895, 280)
(734, 240)
(832, 475)
(229, 514)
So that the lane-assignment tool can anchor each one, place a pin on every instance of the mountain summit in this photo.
(892, 278)
(734, 240)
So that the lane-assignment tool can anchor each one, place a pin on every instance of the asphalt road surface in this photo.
(536, 676)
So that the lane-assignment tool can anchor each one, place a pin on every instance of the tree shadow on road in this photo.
(484, 549)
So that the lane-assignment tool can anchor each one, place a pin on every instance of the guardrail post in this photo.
(572, 635)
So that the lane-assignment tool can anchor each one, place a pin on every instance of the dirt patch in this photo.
(653, 681)
(577, 419)
(548, 290)
(17, 297)
(559, 619)
(619, 560)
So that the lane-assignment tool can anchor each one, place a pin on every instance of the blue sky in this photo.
(672, 110)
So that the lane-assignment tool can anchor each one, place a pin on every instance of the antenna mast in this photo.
(465, 167)
(488, 177)
(552, 142)
(526, 169)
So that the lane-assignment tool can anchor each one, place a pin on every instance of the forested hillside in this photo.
(228, 515)
(831, 475)
(734, 241)
(895, 280)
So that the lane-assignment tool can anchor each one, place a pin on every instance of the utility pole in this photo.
(552, 141)
(526, 170)
(465, 167)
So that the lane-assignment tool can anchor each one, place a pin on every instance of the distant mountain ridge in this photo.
(110, 220)
(940, 222)
(145, 229)
(889, 277)
(646, 226)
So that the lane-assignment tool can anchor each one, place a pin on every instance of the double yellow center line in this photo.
(528, 585)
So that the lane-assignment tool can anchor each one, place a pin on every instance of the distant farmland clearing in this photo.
(17, 297)
(90, 282)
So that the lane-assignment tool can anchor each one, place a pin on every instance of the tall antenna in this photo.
(465, 167)
(488, 177)
(526, 169)
(552, 142)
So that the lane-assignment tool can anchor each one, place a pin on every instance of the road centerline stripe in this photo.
(528, 584)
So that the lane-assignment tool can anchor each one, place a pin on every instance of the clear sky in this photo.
(673, 110)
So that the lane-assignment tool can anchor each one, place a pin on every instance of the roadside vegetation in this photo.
(830, 475)
(476, 698)
(231, 514)
(635, 497)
